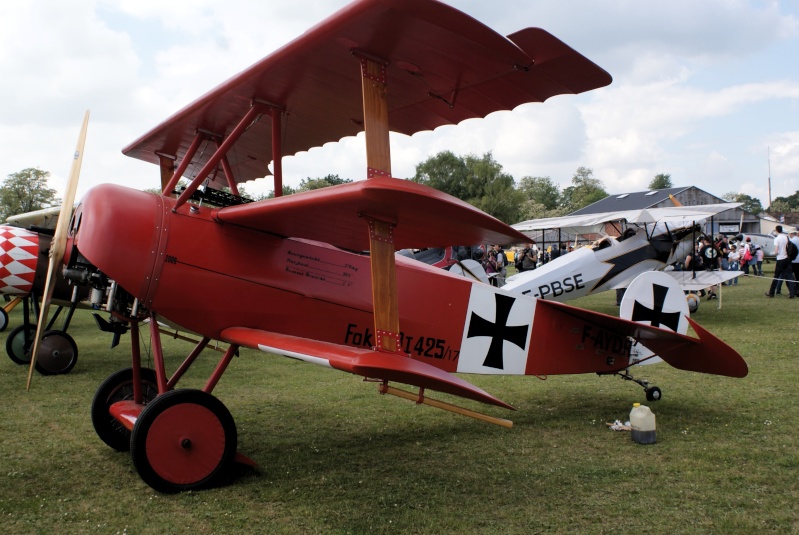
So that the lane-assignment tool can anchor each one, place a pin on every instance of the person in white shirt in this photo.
(734, 263)
(783, 270)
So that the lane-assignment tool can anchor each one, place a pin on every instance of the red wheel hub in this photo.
(185, 443)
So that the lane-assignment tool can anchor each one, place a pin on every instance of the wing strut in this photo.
(184, 164)
(252, 114)
(381, 233)
(277, 150)
(167, 165)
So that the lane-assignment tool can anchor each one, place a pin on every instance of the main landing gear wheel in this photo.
(19, 343)
(3, 319)
(119, 387)
(183, 440)
(58, 353)
(653, 393)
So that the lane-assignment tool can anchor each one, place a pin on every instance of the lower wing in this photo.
(365, 362)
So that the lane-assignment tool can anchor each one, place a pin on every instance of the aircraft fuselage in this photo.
(208, 276)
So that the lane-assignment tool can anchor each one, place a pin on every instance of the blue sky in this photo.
(702, 90)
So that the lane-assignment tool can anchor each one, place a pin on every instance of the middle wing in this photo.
(336, 215)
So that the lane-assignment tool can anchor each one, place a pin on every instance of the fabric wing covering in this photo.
(442, 67)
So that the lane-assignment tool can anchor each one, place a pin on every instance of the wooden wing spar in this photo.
(440, 67)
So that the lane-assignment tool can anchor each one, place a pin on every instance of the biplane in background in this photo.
(289, 274)
(651, 239)
(23, 272)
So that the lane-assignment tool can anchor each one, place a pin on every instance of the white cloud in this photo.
(688, 77)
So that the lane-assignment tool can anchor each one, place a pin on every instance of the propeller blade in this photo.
(58, 243)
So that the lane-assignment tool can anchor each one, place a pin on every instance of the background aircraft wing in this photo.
(442, 67)
(699, 280)
(365, 362)
(46, 217)
(425, 217)
(675, 216)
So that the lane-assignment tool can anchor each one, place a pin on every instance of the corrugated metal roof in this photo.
(630, 201)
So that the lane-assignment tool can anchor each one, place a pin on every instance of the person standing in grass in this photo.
(794, 237)
(733, 264)
(530, 258)
(711, 260)
(747, 251)
(783, 270)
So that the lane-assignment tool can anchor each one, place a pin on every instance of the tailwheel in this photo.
(19, 342)
(58, 353)
(653, 393)
(119, 387)
(183, 440)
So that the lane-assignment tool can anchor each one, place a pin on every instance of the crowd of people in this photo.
(746, 256)
(708, 254)
(526, 258)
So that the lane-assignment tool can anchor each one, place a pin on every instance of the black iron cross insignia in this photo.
(499, 331)
(656, 316)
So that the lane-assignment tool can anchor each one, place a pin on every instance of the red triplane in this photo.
(314, 276)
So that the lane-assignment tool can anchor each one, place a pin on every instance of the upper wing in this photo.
(442, 67)
(592, 223)
(335, 215)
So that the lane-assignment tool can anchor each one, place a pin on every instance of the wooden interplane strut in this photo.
(381, 233)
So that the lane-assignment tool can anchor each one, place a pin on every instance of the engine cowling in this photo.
(19, 258)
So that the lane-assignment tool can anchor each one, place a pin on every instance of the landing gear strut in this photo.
(653, 393)
(178, 439)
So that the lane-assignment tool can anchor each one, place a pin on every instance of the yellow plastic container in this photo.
(642, 424)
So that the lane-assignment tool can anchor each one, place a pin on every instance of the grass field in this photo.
(335, 457)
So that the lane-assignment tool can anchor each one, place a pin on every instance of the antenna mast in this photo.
(769, 175)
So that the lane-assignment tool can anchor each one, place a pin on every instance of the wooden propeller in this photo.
(58, 244)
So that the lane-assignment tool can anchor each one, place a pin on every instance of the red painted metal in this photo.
(172, 431)
(216, 375)
(184, 366)
(138, 396)
(231, 180)
(158, 354)
(126, 412)
(184, 163)
(219, 153)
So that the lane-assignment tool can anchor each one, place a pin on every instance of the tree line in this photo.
(478, 180)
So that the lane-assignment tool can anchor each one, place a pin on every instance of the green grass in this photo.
(335, 457)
